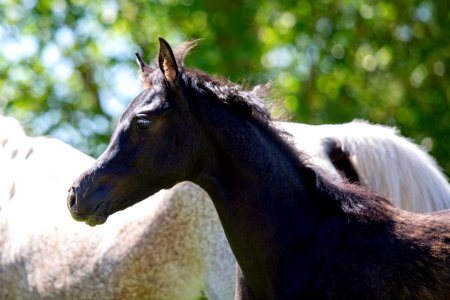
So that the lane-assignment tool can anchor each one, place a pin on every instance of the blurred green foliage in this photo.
(67, 67)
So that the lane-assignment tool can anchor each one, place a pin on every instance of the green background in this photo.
(67, 68)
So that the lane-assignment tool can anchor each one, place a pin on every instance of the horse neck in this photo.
(247, 160)
(259, 194)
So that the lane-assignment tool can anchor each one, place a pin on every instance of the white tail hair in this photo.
(386, 162)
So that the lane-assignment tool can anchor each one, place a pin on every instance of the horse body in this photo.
(294, 232)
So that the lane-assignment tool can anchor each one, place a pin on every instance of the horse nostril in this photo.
(72, 199)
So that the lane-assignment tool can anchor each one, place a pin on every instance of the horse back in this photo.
(420, 253)
(407, 257)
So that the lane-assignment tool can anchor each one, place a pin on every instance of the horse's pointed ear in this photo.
(141, 63)
(144, 71)
(166, 61)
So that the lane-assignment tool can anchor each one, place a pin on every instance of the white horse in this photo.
(170, 246)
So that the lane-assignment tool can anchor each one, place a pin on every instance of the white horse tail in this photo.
(386, 162)
(395, 167)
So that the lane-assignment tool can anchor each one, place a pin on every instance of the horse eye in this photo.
(142, 124)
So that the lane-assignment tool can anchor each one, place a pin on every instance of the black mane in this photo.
(351, 199)
(355, 201)
(248, 103)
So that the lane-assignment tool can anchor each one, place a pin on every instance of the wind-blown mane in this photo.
(249, 104)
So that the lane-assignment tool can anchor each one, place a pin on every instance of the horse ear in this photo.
(166, 61)
(144, 71)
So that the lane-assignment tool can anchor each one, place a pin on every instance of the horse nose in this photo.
(72, 205)
(72, 200)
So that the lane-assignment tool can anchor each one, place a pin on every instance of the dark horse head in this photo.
(157, 142)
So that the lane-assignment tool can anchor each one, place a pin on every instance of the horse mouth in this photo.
(97, 216)
(95, 220)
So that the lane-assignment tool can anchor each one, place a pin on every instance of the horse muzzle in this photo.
(95, 216)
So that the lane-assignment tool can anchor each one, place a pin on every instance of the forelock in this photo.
(182, 50)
